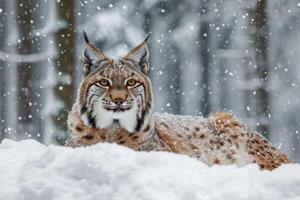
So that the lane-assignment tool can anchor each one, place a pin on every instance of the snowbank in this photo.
(30, 170)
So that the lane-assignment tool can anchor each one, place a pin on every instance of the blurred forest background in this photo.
(240, 56)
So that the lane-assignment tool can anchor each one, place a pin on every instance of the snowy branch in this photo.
(26, 58)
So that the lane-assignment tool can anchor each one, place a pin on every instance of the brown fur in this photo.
(216, 141)
(220, 139)
(262, 151)
(82, 135)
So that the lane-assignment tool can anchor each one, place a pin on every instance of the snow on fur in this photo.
(30, 170)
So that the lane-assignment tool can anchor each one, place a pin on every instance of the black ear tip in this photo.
(147, 37)
(85, 37)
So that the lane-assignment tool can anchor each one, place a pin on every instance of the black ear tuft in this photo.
(140, 55)
(91, 55)
(85, 37)
(147, 37)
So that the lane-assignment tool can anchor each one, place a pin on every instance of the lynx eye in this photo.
(104, 82)
(131, 82)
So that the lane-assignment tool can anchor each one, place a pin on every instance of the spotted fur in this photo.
(220, 139)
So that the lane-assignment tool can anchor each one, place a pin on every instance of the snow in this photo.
(31, 170)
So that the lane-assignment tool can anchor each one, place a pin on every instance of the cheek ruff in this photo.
(104, 118)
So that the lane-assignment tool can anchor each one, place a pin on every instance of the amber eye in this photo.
(104, 82)
(131, 82)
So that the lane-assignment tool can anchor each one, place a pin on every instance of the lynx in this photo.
(115, 104)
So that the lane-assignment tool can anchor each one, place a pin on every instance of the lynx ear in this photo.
(139, 55)
(91, 55)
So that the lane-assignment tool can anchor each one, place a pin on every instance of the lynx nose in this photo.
(119, 102)
(118, 96)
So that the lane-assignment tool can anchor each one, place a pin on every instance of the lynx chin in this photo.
(115, 104)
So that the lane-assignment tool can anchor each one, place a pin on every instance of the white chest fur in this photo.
(105, 118)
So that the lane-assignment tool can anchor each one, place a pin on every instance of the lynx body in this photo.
(115, 104)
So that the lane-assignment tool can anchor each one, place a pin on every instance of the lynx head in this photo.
(116, 91)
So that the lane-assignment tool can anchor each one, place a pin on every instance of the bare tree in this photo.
(65, 63)
(32, 58)
(8, 70)
(2, 72)
(259, 35)
(25, 82)
(204, 52)
(174, 65)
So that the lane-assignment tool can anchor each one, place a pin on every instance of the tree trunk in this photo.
(175, 58)
(8, 71)
(3, 31)
(65, 63)
(25, 97)
(204, 52)
(31, 17)
(260, 39)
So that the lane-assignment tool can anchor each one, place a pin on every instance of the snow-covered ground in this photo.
(30, 170)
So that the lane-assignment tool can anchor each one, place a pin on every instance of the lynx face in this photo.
(115, 91)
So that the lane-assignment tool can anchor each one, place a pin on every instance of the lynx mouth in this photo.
(118, 109)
